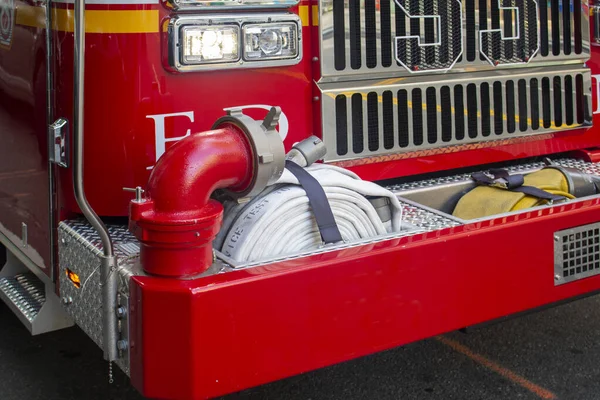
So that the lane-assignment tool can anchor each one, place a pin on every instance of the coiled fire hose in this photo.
(281, 220)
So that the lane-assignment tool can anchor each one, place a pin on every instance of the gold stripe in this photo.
(96, 21)
(390, 81)
(315, 15)
(30, 16)
(102, 21)
(303, 13)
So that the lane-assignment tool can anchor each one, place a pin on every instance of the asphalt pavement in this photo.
(553, 354)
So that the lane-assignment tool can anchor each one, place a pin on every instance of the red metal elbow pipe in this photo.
(178, 221)
(186, 176)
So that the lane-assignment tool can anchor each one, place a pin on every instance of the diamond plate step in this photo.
(25, 295)
(31, 299)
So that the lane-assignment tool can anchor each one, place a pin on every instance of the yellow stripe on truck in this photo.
(30, 16)
(303, 14)
(114, 21)
(96, 21)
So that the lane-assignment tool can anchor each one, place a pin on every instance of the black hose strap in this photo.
(317, 199)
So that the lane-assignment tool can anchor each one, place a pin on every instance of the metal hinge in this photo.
(58, 134)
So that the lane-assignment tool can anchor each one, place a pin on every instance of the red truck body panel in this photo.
(129, 104)
(223, 333)
(218, 334)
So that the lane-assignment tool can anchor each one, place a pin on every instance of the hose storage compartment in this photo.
(281, 220)
(269, 211)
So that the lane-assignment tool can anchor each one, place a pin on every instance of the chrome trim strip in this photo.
(52, 197)
(110, 2)
(216, 5)
(595, 11)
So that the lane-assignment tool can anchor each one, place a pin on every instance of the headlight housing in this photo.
(221, 41)
(270, 41)
(210, 44)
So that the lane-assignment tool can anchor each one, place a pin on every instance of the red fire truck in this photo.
(225, 193)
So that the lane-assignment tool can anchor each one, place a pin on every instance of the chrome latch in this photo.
(58, 134)
(139, 193)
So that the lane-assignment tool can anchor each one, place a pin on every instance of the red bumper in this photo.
(220, 334)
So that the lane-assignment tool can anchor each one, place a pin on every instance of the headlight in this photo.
(221, 41)
(270, 41)
(202, 45)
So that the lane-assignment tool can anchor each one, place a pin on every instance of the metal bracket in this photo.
(123, 344)
(58, 134)
(595, 12)
(24, 234)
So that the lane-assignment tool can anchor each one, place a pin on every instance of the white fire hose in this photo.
(280, 220)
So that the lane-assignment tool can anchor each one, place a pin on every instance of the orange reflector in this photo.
(73, 277)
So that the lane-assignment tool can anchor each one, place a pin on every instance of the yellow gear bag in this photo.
(484, 201)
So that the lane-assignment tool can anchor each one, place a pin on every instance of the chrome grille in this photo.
(576, 253)
(430, 44)
(403, 37)
(367, 120)
(520, 21)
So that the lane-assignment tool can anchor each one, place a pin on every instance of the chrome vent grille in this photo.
(446, 31)
(520, 20)
(360, 37)
(576, 253)
(414, 116)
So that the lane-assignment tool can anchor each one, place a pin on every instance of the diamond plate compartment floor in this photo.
(81, 245)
